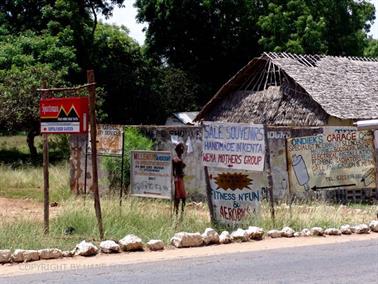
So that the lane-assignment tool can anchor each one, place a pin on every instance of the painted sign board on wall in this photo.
(341, 157)
(109, 139)
(233, 145)
(236, 195)
(64, 115)
(151, 174)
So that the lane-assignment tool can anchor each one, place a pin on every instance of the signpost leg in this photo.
(209, 198)
(92, 104)
(269, 174)
(85, 168)
(45, 184)
(122, 165)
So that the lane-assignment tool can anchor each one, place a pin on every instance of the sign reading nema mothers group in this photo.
(341, 157)
(151, 174)
(233, 145)
(235, 197)
(64, 115)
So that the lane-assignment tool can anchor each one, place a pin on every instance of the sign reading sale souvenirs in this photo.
(64, 115)
(235, 155)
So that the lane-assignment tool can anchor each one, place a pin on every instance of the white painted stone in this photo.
(317, 231)
(67, 253)
(274, 234)
(225, 238)
(332, 232)
(361, 229)
(155, 245)
(85, 249)
(109, 246)
(255, 233)
(373, 225)
(131, 243)
(5, 256)
(287, 232)
(50, 253)
(184, 239)
(305, 232)
(21, 255)
(297, 234)
(239, 235)
(345, 230)
(210, 236)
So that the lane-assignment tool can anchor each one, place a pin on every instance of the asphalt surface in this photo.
(351, 262)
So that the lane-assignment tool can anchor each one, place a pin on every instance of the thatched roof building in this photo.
(296, 90)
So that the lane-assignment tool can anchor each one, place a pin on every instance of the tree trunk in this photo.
(30, 140)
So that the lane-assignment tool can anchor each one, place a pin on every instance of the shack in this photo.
(299, 96)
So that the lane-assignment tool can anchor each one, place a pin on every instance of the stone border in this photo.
(132, 243)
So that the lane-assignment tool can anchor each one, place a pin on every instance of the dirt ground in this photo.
(12, 209)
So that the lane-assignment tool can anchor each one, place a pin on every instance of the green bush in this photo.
(134, 140)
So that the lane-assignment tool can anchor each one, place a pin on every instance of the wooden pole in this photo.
(122, 166)
(92, 111)
(269, 174)
(209, 196)
(46, 198)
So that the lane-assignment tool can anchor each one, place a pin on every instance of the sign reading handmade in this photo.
(233, 145)
(109, 139)
(234, 195)
(64, 115)
(151, 174)
(341, 157)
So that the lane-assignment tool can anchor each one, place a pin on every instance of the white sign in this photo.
(151, 174)
(235, 195)
(233, 145)
(60, 127)
(109, 139)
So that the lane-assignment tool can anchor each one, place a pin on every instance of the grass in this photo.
(151, 219)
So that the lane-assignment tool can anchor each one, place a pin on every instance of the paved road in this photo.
(352, 262)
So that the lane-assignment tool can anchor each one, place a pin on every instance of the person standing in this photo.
(178, 174)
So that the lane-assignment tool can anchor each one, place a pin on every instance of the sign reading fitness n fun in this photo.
(151, 174)
(233, 146)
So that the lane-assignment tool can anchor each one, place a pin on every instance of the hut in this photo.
(297, 95)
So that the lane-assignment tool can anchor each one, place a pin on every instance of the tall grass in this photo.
(152, 219)
(27, 182)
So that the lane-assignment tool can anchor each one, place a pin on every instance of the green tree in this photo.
(371, 49)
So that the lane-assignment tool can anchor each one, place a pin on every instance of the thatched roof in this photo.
(316, 86)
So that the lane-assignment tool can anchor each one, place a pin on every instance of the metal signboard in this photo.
(64, 115)
(109, 139)
(151, 174)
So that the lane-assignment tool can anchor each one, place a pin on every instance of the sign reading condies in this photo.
(341, 157)
(151, 174)
(233, 145)
(235, 196)
(64, 115)
(109, 139)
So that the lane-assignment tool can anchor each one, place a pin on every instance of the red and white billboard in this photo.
(64, 115)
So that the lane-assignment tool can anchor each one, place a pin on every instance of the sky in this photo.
(126, 16)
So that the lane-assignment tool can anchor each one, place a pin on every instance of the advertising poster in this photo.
(236, 196)
(233, 146)
(341, 157)
(109, 139)
(151, 174)
(64, 115)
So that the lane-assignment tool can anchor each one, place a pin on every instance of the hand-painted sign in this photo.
(151, 174)
(109, 139)
(235, 197)
(233, 145)
(64, 115)
(341, 157)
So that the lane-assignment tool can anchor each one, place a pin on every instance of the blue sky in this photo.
(126, 16)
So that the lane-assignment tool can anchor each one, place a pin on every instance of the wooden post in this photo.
(92, 111)
(46, 200)
(122, 166)
(209, 197)
(269, 174)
